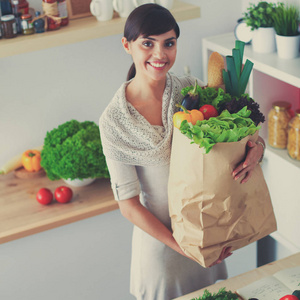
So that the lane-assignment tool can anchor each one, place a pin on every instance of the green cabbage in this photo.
(74, 151)
(224, 128)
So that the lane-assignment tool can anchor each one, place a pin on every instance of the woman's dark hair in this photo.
(148, 19)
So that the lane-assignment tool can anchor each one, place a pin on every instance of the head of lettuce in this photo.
(73, 150)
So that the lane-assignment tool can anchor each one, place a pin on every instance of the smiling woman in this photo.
(136, 133)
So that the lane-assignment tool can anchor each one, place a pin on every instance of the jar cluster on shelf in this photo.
(17, 18)
(284, 128)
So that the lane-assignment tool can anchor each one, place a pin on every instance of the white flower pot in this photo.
(288, 46)
(263, 40)
(79, 182)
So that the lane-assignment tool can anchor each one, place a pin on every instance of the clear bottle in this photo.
(278, 120)
(63, 12)
(293, 146)
(26, 24)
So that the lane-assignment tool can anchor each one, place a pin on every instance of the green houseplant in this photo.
(259, 17)
(286, 25)
(73, 151)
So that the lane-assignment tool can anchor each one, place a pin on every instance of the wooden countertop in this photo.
(239, 281)
(21, 215)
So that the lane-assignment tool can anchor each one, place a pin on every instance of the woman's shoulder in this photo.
(113, 107)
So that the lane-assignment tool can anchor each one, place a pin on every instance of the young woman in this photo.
(136, 132)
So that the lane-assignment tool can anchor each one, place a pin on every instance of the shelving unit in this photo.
(286, 74)
(272, 79)
(83, 29)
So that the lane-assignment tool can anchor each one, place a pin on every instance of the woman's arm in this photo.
(255, 153)
(136, 213)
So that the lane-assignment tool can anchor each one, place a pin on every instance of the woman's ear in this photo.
(126, 45)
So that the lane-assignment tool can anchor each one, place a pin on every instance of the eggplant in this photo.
(191, 99)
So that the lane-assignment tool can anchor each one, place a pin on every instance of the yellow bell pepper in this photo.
(192, 116)
(31, 160)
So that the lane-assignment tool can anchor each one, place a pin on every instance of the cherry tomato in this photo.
(63, 194)
(289, 297)
(44, 196)
(208, 111)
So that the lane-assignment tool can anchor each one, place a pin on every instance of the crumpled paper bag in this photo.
(210, 210)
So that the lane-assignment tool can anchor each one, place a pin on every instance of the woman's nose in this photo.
(159, 52)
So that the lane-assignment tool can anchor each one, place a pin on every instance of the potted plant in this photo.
(286, 25)
(259, 17)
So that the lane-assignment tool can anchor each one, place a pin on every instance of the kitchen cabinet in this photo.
(83, 29)
(272, 79)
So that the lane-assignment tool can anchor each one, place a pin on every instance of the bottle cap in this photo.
(281, 105)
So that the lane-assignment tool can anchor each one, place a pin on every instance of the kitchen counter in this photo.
(21, 215)
(237, 282)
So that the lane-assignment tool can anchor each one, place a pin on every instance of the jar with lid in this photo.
(63, 12)
(293, 146)
(50, 9)
(9, 26)
(27, 26)
(278, 120)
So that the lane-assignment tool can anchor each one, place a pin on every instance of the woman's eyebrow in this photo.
(153, 39)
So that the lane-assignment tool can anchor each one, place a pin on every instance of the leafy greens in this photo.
(209, 95)
(226, 127)
(74, 150)
(222, 294)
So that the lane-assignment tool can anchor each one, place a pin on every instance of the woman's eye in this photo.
(147, 43)
(170, 44)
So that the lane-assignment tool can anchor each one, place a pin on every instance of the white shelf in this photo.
(83, 29)
(269, 64)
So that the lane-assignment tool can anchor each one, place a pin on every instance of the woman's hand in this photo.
(254, 154)
(224, 254)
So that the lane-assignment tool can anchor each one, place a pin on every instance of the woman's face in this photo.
(153, 55)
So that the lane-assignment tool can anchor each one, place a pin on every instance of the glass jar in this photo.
(50, 9)
(9, 26)
(27, 26)
(278, 120)
(293, 146)
(63, 12)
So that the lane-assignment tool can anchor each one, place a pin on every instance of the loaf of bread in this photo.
(215, 68)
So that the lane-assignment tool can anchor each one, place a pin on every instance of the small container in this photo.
(27, 26)
(9, 26)
(278, 120)
(39, 24)
(293, 146)
(63, 12)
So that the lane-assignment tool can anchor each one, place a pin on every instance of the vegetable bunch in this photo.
(74, 150)
(226, 127)
(222, 294)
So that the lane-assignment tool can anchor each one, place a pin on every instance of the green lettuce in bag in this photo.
(226, 127)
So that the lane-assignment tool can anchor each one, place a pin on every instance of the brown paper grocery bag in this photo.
(210, 210)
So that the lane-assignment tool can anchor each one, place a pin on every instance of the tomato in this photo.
(44, 196)
(208, 111)
(289, 297)
(63, 194)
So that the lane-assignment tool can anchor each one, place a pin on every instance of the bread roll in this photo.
(214, 70)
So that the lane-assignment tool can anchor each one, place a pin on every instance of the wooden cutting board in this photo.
(24, 174)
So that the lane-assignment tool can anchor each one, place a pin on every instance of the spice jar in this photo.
(27, 26)
(50, 9)
(293, 146)
(9, 26)
(278, 120)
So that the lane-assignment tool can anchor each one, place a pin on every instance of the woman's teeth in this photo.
(157, 65)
